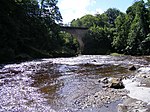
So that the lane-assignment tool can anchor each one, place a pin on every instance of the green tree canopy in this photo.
(29, 30)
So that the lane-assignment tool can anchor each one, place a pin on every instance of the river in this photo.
(59, 84)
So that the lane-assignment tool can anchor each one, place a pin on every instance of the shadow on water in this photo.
(103, 70)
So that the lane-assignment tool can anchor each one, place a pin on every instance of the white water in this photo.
(136, 90)
(98, 59)
(139, 93)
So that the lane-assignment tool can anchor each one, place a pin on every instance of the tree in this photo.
(76, 23)
(97, 41)
(121, 34)
(112, 14)
(29, 30)
(139, 28)
(102, 20)
(49, 9)
(85, 21)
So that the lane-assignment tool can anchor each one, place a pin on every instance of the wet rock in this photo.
(144, 76)
(104, 80)
(132, 68)
(94, 61)
(99, 81)
(15, 71)
(133, 105)
(116, 83)
(105, 86)
(122, 108)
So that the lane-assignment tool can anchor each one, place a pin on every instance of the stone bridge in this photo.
(78, 32)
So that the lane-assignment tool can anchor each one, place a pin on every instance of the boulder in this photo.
(116, 83)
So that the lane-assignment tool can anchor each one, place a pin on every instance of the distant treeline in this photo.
(28, 30)
(115, 31)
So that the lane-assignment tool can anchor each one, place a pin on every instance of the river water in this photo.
(55, 85)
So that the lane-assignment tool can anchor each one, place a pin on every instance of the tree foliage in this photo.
(85, 21)
(126, 33)
(101, 31)
(139, 28)
(29, 30)
(99, 44)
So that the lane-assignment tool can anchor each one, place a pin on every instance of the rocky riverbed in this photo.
(138, 99)
(79, 84)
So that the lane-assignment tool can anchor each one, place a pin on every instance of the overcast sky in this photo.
(73, 9)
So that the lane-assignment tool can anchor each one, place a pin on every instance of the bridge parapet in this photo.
(75, 28)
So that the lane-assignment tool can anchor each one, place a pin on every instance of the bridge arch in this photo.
(78, 32)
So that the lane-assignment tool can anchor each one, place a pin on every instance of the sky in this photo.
(73, 9)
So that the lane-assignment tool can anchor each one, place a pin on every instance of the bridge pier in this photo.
(77, 32)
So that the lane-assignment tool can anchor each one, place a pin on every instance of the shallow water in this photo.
(53, 85)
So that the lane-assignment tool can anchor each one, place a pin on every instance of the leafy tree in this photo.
(145, 45)
(76, 23)
(112, 14)
(85, 21)
(70, 44)
(102, 28)
(129, 32)
(50, 10)
(139, 29)
(97, 41)
(121, 34)
(102, 20)
(148, 4)
(8, 29)
(29, 30)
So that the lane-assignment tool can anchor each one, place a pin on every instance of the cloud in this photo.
(73, 9)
